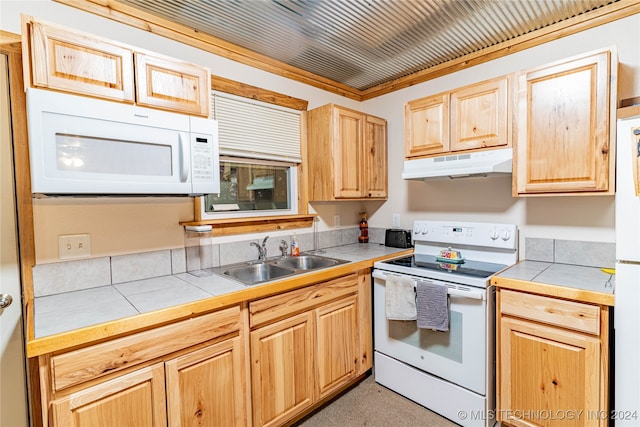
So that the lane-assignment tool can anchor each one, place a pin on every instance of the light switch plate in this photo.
(74, 246)
(395, 220)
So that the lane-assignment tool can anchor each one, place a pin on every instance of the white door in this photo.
(13, 395)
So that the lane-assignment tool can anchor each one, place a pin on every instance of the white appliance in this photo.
(80, 145)
(451, 373)
(627, 288)
(465, 165)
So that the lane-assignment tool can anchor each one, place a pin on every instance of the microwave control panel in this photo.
(205, 165)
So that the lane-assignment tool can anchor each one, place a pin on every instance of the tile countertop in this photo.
(575, 282)
(75, 318)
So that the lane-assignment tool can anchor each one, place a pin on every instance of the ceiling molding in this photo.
(130, 16)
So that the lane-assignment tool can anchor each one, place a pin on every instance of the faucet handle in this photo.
(283, 247)
(264, 242)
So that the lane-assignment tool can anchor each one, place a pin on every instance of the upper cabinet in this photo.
(67, 60)
(347, 155)
(562, 135)
(471, 117)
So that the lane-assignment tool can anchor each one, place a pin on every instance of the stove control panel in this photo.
(466, 233)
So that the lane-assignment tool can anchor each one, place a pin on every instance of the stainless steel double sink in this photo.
(254, 272)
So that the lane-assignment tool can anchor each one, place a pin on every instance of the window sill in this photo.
(230, 226)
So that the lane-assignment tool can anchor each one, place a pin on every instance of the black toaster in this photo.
(397, 238)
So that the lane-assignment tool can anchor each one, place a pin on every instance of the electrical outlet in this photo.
(336, 220)
(395, 220)
(74, 246)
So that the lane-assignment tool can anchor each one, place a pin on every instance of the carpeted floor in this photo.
(372, 405)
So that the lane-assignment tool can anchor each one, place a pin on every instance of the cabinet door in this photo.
(75, 62)
(547, 370)
(375, 157)
(282, 369)
(479, 116)
(562, 138)
(426, 126)
(207, 387)
(172, 85)
(136, 399)
(347, 153)
(337, 344)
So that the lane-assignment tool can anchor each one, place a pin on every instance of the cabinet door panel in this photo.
(375, 157)
(546, 370)
(563, 127)
(426, 124)
(73, 62)
(337, 344)
(479, 116)
(136, 399)
(348, 153)
(172, 85)
(206, 387)
(282, 369)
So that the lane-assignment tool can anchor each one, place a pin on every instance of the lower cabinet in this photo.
(133, 399)
(552, 361)
(206, 387)
(282, 369)
(192, 373)
(336, 344)
(297, 348)
(305, 344)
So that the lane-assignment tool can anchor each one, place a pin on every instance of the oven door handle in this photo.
(377, 274)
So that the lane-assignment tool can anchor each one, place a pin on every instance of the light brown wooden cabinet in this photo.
(264, 362)
(347, 154)
(306, 344)
(62, 59)
(563, 127)
(282, 369)
(189, 373)
(336, 344)
(469, 118)
(552, 361)
(133, 399)
(207, 386)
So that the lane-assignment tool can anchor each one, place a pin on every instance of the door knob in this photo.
(5, 301)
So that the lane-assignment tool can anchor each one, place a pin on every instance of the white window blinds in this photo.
(255, 129)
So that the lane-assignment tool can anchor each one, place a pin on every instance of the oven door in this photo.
(459, 355)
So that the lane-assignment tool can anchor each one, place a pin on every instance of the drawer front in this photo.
(92, 362)
(279, 306)
(562, 313)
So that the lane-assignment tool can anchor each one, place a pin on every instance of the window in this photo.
(260, 153)
(254, 188)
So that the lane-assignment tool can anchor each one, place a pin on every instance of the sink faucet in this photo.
(262, 249)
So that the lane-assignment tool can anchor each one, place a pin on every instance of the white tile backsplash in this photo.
(68, 276)
(574, 252)
(126, 268)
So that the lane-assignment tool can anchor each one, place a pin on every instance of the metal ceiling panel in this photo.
(364, 43)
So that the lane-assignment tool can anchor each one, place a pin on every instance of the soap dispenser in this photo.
(295, 248)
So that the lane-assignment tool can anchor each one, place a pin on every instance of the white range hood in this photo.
(466, 165)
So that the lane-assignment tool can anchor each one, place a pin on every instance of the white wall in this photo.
(578, 218)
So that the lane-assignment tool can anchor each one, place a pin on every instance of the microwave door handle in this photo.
(184, 162)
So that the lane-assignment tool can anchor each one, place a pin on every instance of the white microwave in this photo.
(86, 146)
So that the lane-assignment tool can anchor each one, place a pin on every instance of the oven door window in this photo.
(444, 344)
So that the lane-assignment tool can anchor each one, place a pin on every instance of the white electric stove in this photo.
(451, 373)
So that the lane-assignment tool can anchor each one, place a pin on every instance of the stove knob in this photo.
(494, 235)
(506, 235)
